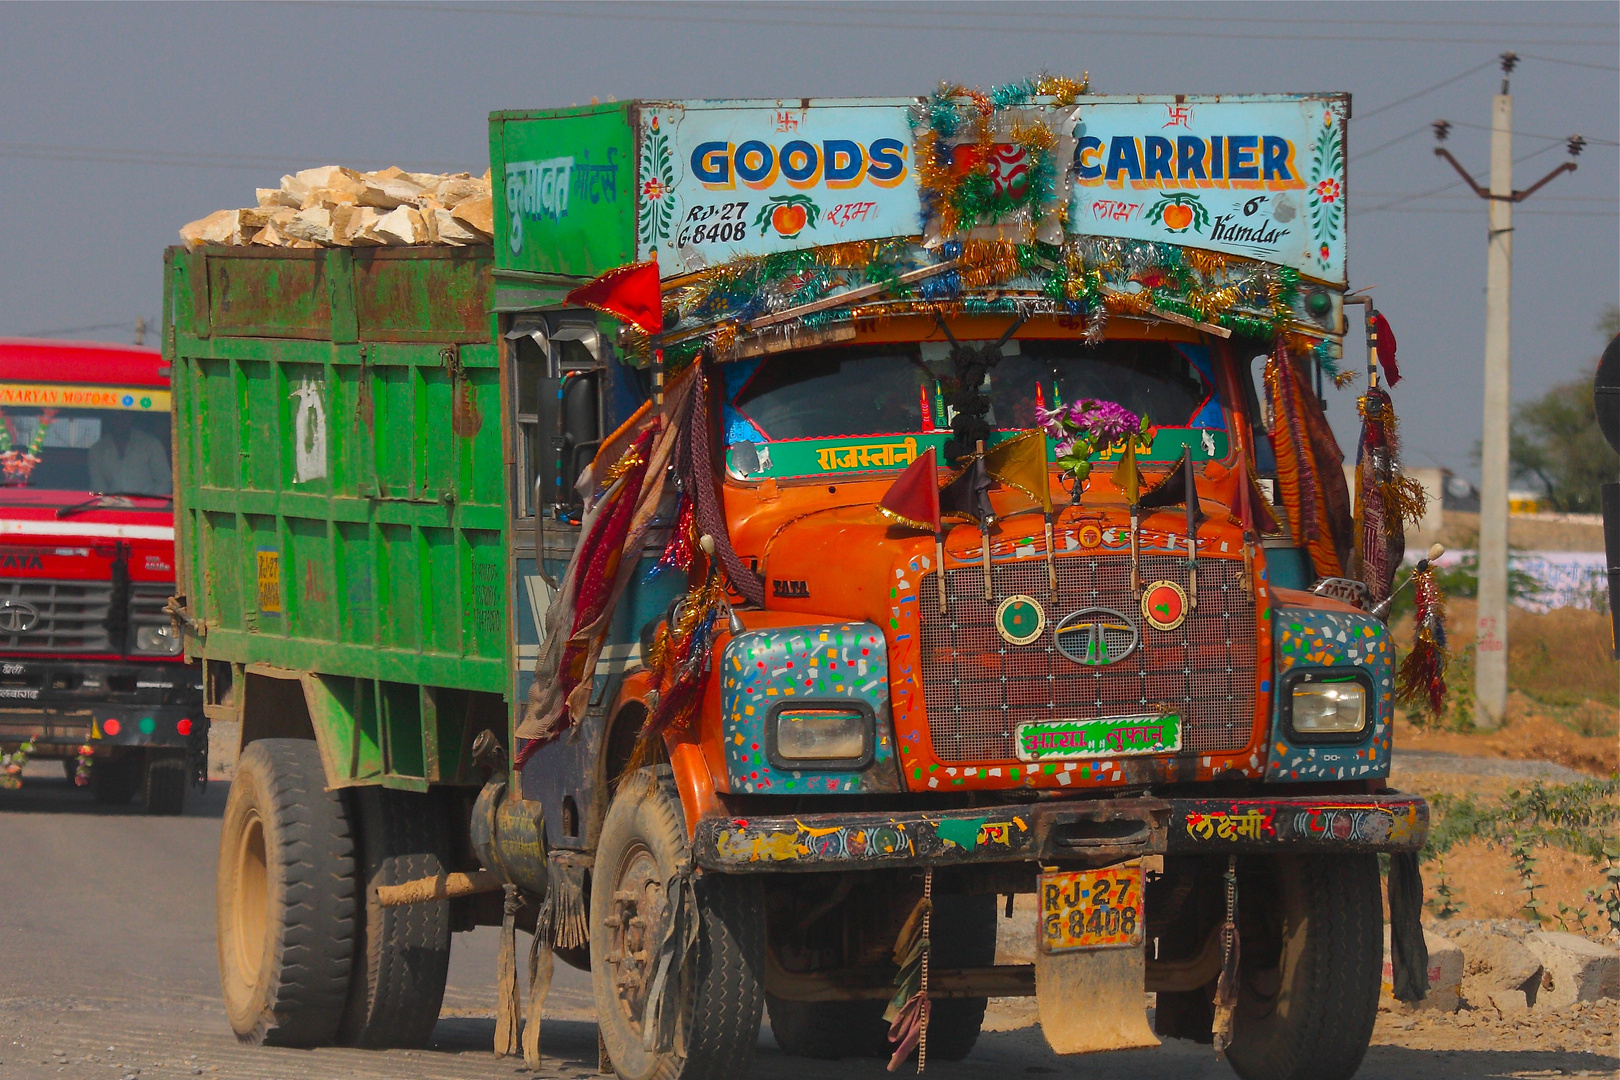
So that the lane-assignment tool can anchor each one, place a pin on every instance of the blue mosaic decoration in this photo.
(1306, 637)
(818, 663)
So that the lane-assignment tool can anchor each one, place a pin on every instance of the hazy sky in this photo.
(124, 121)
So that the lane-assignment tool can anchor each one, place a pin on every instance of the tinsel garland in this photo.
(1421, 680)
(1088, 276)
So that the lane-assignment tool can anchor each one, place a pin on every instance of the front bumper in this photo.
(1096, 832)
(60, 703)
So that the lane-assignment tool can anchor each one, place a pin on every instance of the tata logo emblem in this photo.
(1020, 620)
(17, 617)
(1164, 605)
(1096, 637)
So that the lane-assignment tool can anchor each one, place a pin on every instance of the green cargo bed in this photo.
(339, 477)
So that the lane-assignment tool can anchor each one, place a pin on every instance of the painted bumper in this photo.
(67, 704)
(1094, 831)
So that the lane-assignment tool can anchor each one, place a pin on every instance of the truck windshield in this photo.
(879, 389)
(114, 450)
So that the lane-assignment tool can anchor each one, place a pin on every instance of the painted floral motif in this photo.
(1326, 202)
(656, 181)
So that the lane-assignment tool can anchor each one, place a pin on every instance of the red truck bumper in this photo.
(1096, 832)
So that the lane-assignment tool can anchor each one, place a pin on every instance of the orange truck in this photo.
(908, 505)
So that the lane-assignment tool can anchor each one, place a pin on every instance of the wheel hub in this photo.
(635, 928)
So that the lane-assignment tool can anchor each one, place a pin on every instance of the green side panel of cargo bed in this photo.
(565, 189)
(339, 466)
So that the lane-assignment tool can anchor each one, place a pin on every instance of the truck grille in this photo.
(70, 616)
(978, 688)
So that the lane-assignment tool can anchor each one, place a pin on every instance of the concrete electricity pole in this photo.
(1490, 659)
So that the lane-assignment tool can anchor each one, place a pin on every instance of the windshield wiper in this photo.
(95, 501)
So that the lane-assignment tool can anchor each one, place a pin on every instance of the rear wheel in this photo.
(717, 1006)
(114, 780)
(164, 783)
(1312, 950)
(284, 907)
(402, 954)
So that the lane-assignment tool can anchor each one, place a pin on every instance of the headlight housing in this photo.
(1327, 705)
(825, 735)
(159, 639)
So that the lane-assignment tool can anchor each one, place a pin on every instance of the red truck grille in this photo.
(55, 616)
(978, 688)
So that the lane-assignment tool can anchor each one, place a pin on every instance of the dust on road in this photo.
(107, 972)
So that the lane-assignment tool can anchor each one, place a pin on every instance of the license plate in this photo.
(1091, 909)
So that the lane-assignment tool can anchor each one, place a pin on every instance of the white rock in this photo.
(1573, 968)
(220, 227)
(313, 225)
(478, 214)
(402, 225)
(1445, 975)
(451, 231)
(274, 196)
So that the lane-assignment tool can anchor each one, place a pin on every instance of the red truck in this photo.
(90, 665)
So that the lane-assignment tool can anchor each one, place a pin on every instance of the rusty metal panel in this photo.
(256, 295)
(978, 688)
(422, 294)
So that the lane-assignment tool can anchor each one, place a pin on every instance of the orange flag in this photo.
(1020, 462)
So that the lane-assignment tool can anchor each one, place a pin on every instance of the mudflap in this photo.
(1091, 960)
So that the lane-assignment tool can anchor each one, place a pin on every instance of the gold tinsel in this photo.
(1207, 263)
(1062, 88)
(629, 461)
(987, 262)
(1032, 135)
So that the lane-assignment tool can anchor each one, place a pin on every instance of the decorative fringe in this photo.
(1421, 680)
(510, 1005)
(682, 542)
(562, 914)
(541, 966)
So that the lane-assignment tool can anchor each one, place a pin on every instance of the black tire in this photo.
(829, 1030)
(1309, 997)
(643, 844)
(114, 780)
(962, 932)
(401, 954)
(164, 784)
(284, 908)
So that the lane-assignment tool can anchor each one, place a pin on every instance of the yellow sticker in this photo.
(270, 581)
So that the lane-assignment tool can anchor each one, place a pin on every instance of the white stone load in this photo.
(332, 206)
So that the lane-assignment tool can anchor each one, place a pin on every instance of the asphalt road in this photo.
(107, 971)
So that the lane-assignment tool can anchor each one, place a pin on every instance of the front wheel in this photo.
(1312, 951)
(639, 861)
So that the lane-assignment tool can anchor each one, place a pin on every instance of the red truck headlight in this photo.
(159, 640)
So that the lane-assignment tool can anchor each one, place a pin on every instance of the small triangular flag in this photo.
(630, 293)
(913, 498)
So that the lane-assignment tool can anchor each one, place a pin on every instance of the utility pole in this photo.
(1490, 658)
(140, 330)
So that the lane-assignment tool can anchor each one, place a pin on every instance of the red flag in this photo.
(1386, 348)
(629, 292)
(913, 499)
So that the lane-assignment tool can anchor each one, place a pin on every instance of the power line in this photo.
(1531, 134)
(612, 13)
(1426, 90)
(1571, 63)
(1363, 155)
(62, 331)
(1459, 210)
(116, 155)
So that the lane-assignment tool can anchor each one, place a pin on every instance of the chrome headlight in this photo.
(816, 735)
(1328, 705)
(158, 640)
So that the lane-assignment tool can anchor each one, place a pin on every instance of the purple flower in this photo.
(1106, 421)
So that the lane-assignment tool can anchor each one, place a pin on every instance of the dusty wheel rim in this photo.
(636, 928)
(250, 899)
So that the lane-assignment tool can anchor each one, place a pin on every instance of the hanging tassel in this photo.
(541, 964)
(506, 978)
(1421, 680)
(682, 544)
(1226, 989)
(909, 1009)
